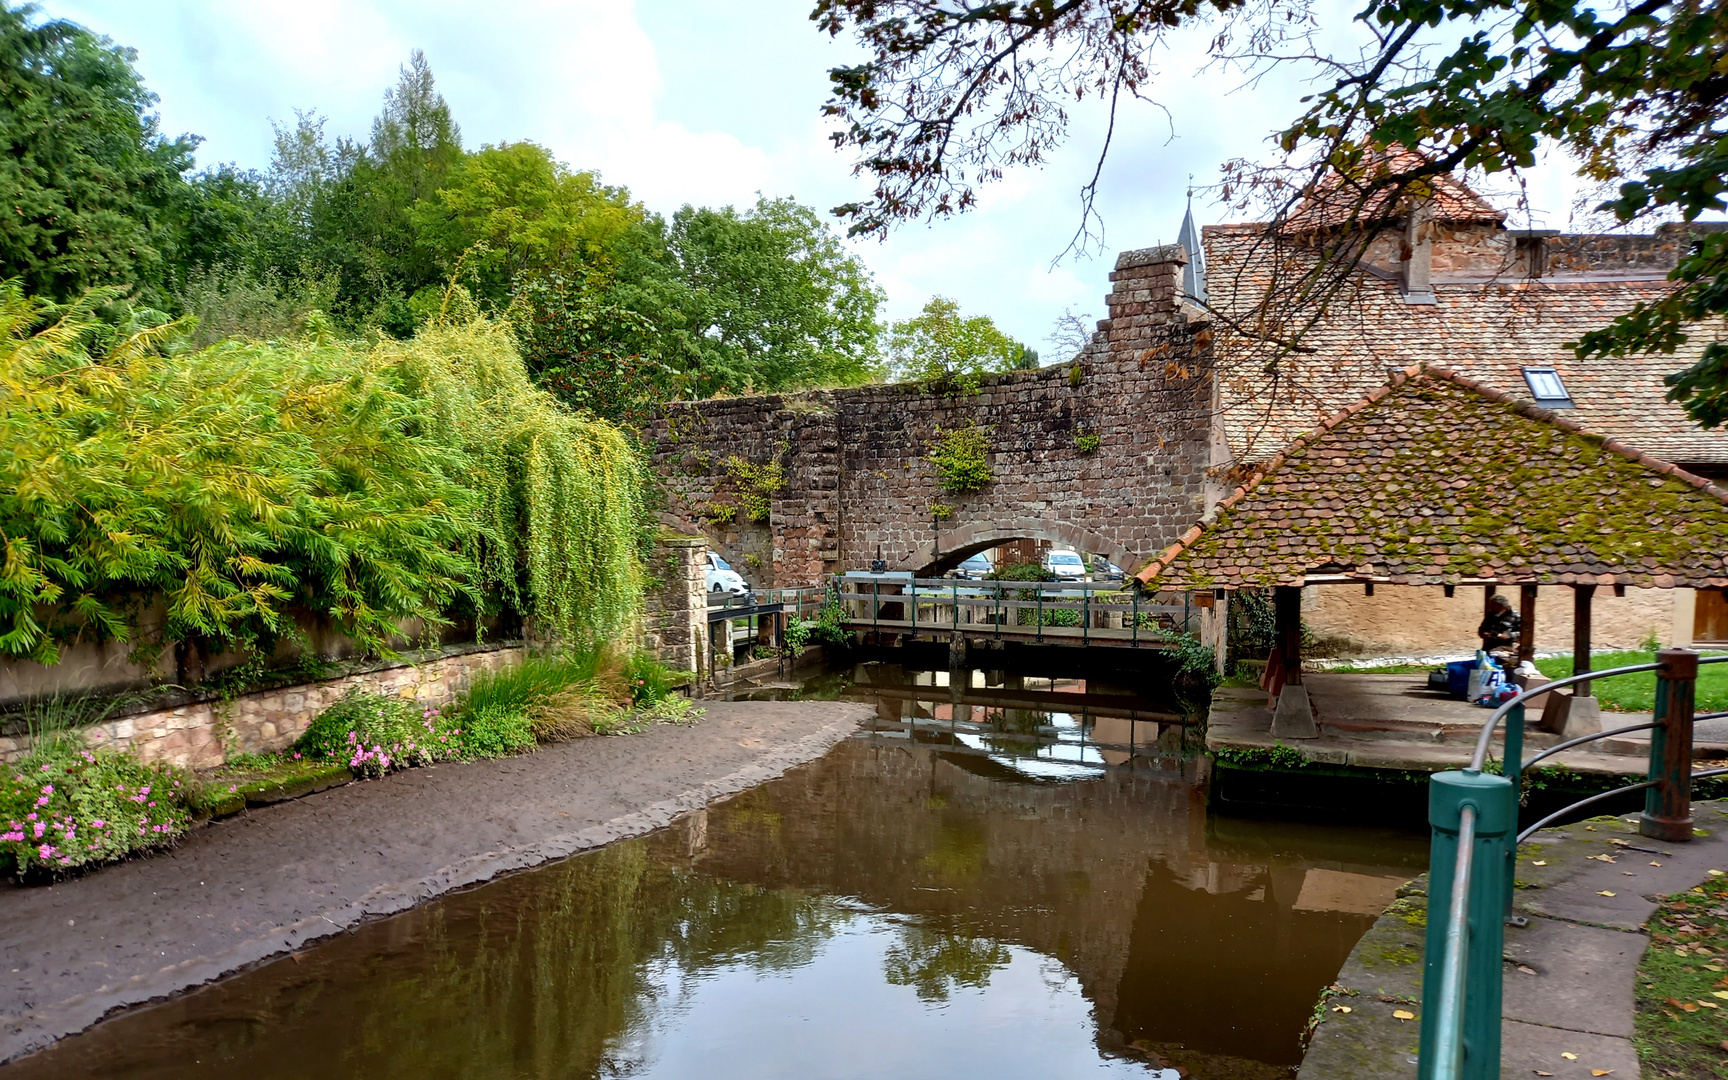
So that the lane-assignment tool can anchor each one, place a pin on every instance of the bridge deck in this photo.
(1082, 613)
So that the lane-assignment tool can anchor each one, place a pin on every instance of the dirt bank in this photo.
(271, 880)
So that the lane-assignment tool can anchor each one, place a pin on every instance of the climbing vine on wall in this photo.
(961, 458)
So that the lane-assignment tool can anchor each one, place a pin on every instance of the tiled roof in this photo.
(1433, 479)
(1486, 330)
(1338, 200)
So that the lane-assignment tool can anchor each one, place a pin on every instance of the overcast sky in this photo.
(705, 102)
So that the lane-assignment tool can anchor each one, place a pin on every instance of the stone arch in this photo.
(966, 540)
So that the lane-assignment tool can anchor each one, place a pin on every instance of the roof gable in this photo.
(1433, 479)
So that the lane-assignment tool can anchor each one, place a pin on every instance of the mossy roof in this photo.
(1434, 479)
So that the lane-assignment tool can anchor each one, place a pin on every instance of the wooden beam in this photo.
(1582, 595)
(1527, 621)
(1488, 592)
(1287, 616)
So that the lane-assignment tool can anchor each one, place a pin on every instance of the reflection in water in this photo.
(970, 889)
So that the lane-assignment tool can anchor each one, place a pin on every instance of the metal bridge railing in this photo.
(1474, 816)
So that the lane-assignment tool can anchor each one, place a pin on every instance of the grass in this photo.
(1637, 693)
(1681, 1022)
(570, 694)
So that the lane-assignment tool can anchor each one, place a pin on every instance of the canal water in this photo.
(1002, 876)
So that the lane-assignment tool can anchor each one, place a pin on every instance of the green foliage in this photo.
(757, 485)
(1087, 442)
(941, 511)
(1026, 571)
(948, 352)
(242, 482)
(496, 732)
(1277, 756)
(1193, 660)
(92, 187)
(827, 628)
(773, 300)
(585, 345)
(961, 459)
(375, 733)
(649, 680)
(65, 806)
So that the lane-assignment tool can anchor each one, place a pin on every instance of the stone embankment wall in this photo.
(204, 734)
(203, 731)
(854, 468)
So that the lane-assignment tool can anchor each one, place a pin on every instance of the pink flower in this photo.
(46, 851)
(99, 823)
(47, 789)
(41, 827)
(45, 768)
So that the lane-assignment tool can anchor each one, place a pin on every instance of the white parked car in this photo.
(724, 580)
(1064, 565)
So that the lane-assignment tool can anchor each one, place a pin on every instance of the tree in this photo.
(512, 212)
(91, 186)
(1635, 91)
(940, 347)
(775, 302)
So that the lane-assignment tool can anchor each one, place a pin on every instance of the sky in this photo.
(709, 102)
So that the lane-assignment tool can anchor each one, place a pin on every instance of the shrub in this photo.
(496, 732)
(67, 806)
(650, 680)
(374, 733)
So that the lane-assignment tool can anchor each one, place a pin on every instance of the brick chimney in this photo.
(1419, 254)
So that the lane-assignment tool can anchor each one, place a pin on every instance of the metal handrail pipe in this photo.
(1581, 804)
(1569, 743)
(1482, 741)
(1481, 755)
(1449, 1022)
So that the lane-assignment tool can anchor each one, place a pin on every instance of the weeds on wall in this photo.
(1087, 442)
(757, 485)
(828, 627)
(961, 457)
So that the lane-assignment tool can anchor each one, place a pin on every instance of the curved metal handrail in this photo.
(1570, 743)
(1599, 796)
(1482, 741)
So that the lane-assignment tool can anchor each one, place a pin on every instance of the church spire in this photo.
(1194, 274)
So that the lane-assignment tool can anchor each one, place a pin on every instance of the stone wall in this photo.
(856, 469)
(675, 607)
(1401, 620)
(204, 734)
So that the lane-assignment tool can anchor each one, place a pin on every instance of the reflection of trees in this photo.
(933, 963)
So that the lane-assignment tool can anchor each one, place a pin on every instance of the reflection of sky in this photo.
(1062, 752)
(840, 1016)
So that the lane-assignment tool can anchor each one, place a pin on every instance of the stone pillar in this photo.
(675, 607)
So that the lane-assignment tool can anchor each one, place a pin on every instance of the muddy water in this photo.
(1008, 877)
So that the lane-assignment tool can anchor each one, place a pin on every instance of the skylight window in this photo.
(1546, 388)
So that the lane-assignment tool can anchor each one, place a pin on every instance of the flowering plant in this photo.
(67, 806)
(374, 734)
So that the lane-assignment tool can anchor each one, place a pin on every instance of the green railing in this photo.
(1474, 816)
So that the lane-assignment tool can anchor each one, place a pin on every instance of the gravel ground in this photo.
(268, 881)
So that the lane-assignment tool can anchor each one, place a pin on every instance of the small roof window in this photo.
(1546, 388)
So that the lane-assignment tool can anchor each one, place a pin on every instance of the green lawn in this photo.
(1682, 993)
(1637, 693)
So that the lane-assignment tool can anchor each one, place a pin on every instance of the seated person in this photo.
(1500, 629)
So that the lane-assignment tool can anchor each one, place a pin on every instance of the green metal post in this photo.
(1040, 613)
(1514, 772)
(1668, 805)
(1474, 1013)
(1085, 615)
(876, 610)
(998, 609)
(914, 588)
(954, 598)
(1134, 597)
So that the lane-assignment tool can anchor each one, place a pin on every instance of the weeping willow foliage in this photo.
(208, 496)
(561, 509)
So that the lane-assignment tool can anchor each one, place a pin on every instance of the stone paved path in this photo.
(1569, 973)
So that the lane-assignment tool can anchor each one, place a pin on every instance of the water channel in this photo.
(1002, 876)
